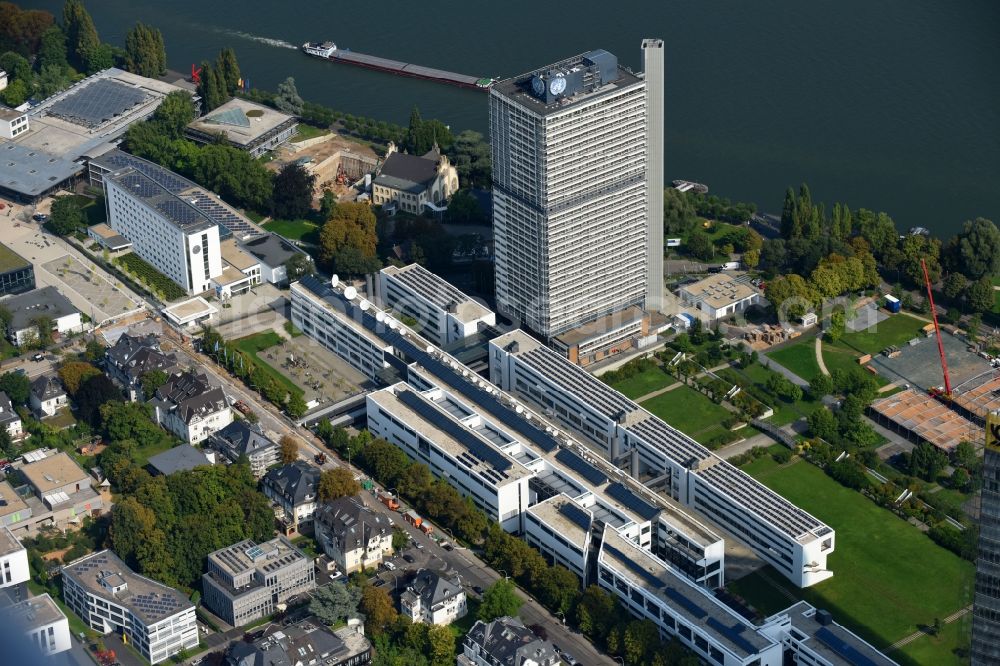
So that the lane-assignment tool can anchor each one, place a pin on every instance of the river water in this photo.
(892, 105)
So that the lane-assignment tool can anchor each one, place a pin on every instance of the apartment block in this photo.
(294, 491)
(246, 581)
(14, 568)
(191, 408)
(443, 314)
(158, 621)
(239, 439)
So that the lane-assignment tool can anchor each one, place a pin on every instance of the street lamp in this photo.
(561, 615)
(505, 576)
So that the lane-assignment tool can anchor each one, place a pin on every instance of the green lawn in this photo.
(888, 576)
(939, 650)
(305, 132)
(689, 411)
(300, 230)
(645, 382)
(800, 358)
(896, 330)
(252, 344)
(755, 377)
(144, 453)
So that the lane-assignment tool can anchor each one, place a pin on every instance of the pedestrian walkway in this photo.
(671, 387)
(903, 642)
(819, 356)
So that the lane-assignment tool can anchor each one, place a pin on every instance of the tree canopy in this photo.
(66, 216)
(335, 602)
(287, 100)
(976, 250)
(336, 483)
(16, 386)
(350, 229)
(500, 599)
(85, 48)
(145, 53)
(293, 192)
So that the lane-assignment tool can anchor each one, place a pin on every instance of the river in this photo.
(892, 105)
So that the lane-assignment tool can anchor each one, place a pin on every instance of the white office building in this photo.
(42, 622)
(158, 620)
(437, 429)
(443, 314)
(569, 192)
(652, 57)
(12, 123)
(794, 542)
(14, 568)
(324, 314)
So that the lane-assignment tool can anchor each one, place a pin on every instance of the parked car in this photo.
(336, 574)
(409, 558)
(389, 565)
(419, 545)
(477, 589)
(38, 357)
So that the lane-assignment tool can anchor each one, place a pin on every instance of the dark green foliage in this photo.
(293, 192)
(500, 599)
(976, 251)
(94, 392)
(228, 70)
(16, 386)
(66, 217)
(52, 51)
(464, 209)
(470, 154)
(964, 543)
(149, 276)
(151, 381)
(423, 135)
(145, 54)
(234, 175)
(679, 216)
(979, 296)
(927, 461)
(211, 87)
(85, 49)
(297, 266)
(849, 473)
(700, 246)
(722, 209)
(335, 603)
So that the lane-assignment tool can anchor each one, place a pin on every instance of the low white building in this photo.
(47, 395)
(272, 252)
(721, 295)
(39, 305)
(443, 314)
(157, 620)
(12, 123)
(244, 125)
(191, 408)
(433, 598)
(352, 535)
(42, 622)
(192, 313)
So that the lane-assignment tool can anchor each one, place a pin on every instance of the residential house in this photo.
(247, 581)
(188, 406)
(293, 489)
(506, 642)
(352, 535)
(302, 643)
(61, 494)
(131, 357)
(47, 395)
(241, 438)
(32, 307)
(8, 417)
(434, 598)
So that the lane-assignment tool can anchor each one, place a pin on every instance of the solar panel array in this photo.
(590, 473)
(476, 451)
(155, 605)
(850, 653)
(439, 292)
(179, 212)
(221, 215)
(97, 103)
(574, 513)
(117, 160)
(632, 501)
(734, 633)
(140, 185)
(678, 446)
(576, 381)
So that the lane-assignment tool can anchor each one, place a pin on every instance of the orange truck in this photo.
(412, 518)
(426, 528)
(389, 501)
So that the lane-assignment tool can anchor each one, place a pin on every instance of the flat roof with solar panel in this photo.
(829, 640)
(566, 518)
(103, 572)
(461, 442)
(440, 293)
(265, 559)
(184, 203)
(693, 604)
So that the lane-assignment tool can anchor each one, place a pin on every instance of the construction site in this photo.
(337, 162)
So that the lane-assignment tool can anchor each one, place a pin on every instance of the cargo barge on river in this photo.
(329, 51)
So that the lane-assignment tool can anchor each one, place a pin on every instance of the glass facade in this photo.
(17, 281)
(986, 610)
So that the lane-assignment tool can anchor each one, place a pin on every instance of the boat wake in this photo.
(277, 43)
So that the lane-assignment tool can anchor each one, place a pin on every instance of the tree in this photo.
(16, 93)
(74, 373)
(822, 424)
(52, 52)
(287, 100)
(66, 217)
(51, 79)
(296, 405)
(472, 158)
(350, 227)
(927, 461)
(293, 192)
(463, 208)
(441, 644)
(499, 600)
(16, 386)
(22, 30)
(385, 461)
(298, 266)
(791, 294)
(960, 479)
(136, 538)
(954, 284)
(378, 609)
(336, 483)
(145, 54)
(700, 245)
(234, 175)
(820, 385)
(965, 455)
(679, 215)
(228, 70)
(977, 249)
(81, 37)
(289, 450)
(399, 539)
(751, 258)
(335, 603)
(837, 327)
(979, 296)
(151, 381)
(641, 639)
(327, 204)
(131, 421)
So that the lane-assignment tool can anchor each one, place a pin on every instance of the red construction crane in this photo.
(937, 331)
